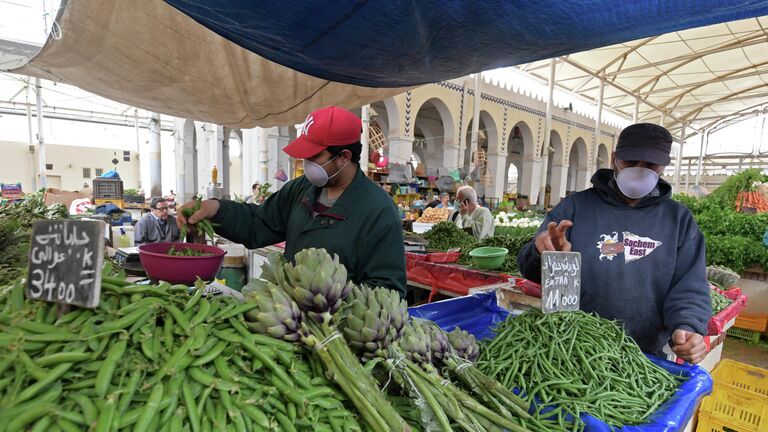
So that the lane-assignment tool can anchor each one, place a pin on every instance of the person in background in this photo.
(155, 226)
(445, 201)
(642, 254)
(250, 199)
(471, 216)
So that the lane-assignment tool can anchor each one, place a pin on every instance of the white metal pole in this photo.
(155, 177)
(31, 139)
(598, 124)
(365, 115)
(475, 122)
(40, 138)
(637, 110)
(547, 132)
(700, 164)
(679, 159)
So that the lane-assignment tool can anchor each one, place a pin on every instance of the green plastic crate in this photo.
(747, 335)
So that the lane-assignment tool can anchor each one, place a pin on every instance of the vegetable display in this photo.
(153, 358)
(446, 235)
(719, 301)
(16, 221)
(513, 243)
(569, 363)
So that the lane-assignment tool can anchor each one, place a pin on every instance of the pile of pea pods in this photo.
(155, 358)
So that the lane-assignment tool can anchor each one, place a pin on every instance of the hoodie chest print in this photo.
(633, 246)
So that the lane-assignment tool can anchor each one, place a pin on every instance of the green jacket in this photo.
(363, 228)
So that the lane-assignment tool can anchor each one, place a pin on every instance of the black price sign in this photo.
(65, 261)
(560, 281)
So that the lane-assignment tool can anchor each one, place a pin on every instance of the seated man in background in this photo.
(472, 217)
(154, 227)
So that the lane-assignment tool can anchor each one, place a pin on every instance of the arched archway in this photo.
(513, 179)
(520, 148)
(577, 166)
(235, 152)
(487, 138)
(603, 157)
(433, 131)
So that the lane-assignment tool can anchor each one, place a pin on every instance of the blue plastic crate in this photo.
(479, 314)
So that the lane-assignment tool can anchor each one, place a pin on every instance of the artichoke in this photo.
(440, 344)
(317, 282)
(367, 320)
(276, 314)
(464, 344)
(415, 343)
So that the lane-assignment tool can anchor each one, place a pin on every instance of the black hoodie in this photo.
(642, 265)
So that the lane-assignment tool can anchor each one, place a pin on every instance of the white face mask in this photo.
(316, 174)
(636, 182)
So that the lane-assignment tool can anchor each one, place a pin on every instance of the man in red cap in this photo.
(333, 206)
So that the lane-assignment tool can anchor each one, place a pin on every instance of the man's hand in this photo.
(553, 239)
(689, 346)
(464, 207)
(208, 209)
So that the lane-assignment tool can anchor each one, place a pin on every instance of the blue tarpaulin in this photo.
(479, 314)
(398, 43)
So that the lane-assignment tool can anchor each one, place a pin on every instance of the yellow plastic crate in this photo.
(739, 401)
(756, 322)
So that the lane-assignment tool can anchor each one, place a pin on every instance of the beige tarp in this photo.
(147, 54)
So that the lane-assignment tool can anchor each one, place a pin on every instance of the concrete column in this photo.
(273, 148)
(559, 183)
(155, 170)
(475, 122)
(181, 160)
(583, 176)
(530, 185)
(497, 164)
(250, 165)
(462, 123)
(224, 170)
(450, 158)
(263, 148)
(366, 119)
(679, 159)
(582, 181)
(204, 159)
(216, 150)
(41, 160)
(547, 136)
(34, 185)
(400, 150)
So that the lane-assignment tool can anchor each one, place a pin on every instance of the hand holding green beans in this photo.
(197, 214)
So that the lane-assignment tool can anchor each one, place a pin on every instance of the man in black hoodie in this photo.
(642, 253)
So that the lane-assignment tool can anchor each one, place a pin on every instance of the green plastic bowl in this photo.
(488, 257)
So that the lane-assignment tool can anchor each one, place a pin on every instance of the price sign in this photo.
(560, 281)
(65, 260)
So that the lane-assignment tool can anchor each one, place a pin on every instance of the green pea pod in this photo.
(129, 390)
(104, 376)
(211, 355)
(178, 316)
(62, 357)
(254, 413)
(88, 408)
(107, 414)
(150, 409)
(20, 421)
(189, 402)
(202, 313)
(37, 387)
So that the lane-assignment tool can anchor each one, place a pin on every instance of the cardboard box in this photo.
(53, 196)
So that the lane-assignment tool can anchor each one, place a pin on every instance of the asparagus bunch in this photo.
(297, 303)
(457, 351)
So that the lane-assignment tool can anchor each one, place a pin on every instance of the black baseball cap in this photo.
(645, 142)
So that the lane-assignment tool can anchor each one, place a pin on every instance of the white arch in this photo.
(488, 125)
(603, 159)
(578, 166)
(446, 117)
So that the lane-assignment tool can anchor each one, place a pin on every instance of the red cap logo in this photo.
(326, 127)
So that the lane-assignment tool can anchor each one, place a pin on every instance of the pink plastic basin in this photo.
(180, 269)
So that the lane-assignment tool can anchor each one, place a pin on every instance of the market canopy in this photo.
(243, 63)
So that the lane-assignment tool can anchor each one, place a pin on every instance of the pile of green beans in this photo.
(155, 358)
(569, 363)
(204, 227)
